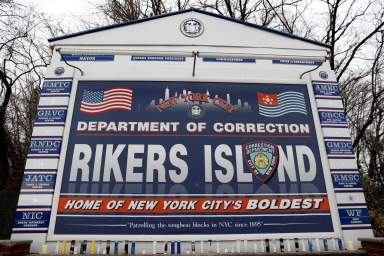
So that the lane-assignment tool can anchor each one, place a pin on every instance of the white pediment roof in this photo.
(165, 30)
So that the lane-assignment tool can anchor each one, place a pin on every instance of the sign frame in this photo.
(193, 237)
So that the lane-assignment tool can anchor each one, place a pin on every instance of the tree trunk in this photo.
(4, 164)
(4, 159)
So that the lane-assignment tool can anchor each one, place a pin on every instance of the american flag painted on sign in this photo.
(94, 102)
(273, 104)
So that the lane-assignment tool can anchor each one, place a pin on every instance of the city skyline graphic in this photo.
(238, 103)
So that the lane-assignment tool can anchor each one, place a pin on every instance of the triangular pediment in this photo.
(165, 30)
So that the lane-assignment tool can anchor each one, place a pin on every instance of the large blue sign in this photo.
(199, 158)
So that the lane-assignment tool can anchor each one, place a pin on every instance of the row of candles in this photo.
(200, 247)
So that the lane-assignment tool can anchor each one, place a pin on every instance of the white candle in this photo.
(154, 245)
(304, 249)
(288, 245)
(318, 248)
(350, 246)
(44, 249)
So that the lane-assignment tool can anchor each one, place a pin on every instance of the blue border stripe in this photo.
(345, 170)
(42, 156)
(324, 82)
(357, 228)
(35, 207)
(349, 205)
(36, 193)
(62, 95)
(41, 124)
(58, 78)
(15, 230)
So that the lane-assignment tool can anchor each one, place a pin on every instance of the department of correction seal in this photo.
(261, 158)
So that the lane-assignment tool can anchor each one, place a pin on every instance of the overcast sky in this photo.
(66, 11)
(63, 8)
(69, 13)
